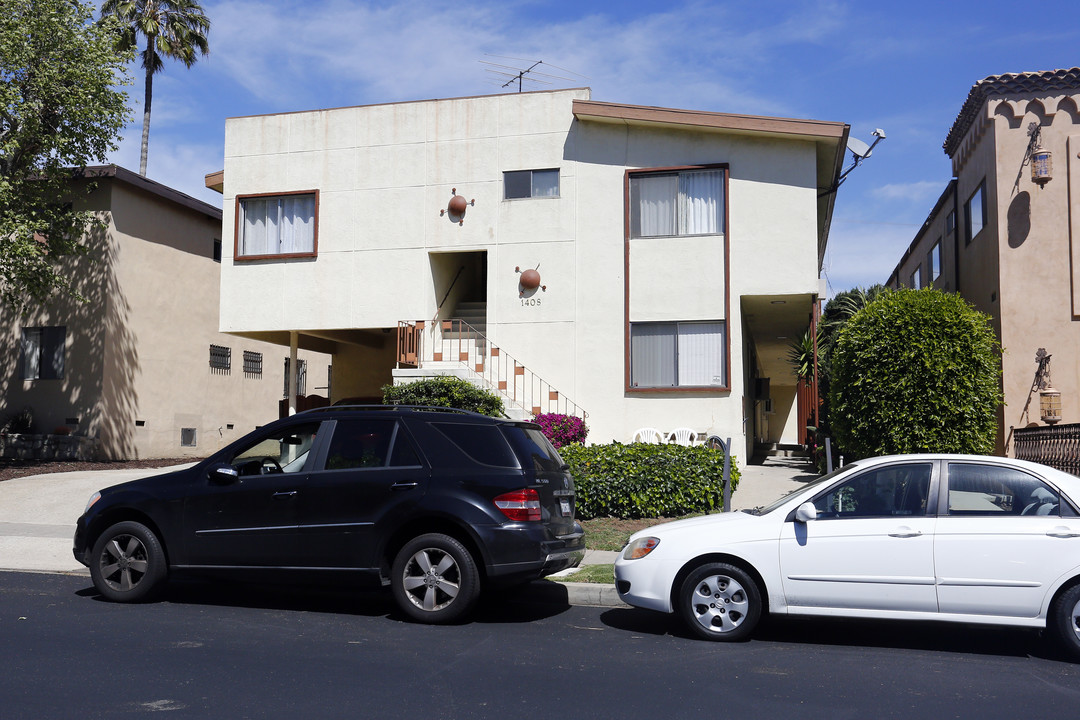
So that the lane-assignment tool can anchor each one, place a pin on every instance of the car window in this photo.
(483, 443)
(892, 490)
(284, 450)
(360, 443)
(980, 489)
(534, 447)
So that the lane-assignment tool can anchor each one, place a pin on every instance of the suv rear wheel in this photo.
(434, 579)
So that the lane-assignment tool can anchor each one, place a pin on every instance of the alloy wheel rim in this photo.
(719, 603)
(123, 562)
(1075, 620)
(432, 579)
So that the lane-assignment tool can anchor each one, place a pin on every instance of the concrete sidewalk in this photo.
(38, 514)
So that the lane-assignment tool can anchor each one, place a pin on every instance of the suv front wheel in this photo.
(434, 579)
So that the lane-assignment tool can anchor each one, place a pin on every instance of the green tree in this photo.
(173, 29)
(916, 371)
(60, 110)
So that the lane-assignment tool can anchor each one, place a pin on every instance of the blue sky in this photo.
(904, 67)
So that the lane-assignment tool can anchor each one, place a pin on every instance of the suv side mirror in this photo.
(223, 474)
(806, 512)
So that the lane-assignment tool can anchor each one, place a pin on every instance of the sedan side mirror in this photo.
(223, 474)
(806, 512)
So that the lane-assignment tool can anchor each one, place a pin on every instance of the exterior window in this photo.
(916, 278)
(279, 225)
(950, 222)
(680, 203)
(933, 263)
(188, 437)
(301, 378)
(253, 363)
(220, 358)
(43, 353)
(975, 213)
(677, 354)
(531, 184)
(217, 249)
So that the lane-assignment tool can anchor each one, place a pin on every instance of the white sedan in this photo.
(962, 538)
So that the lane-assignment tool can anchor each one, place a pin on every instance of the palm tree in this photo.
(173, 29)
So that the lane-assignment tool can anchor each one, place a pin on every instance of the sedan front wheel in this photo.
(718, 601)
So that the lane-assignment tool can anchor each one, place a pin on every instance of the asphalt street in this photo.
(234, 651)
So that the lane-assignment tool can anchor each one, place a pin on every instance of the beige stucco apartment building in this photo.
(646, 266)
(140, 370)
(1008, 238)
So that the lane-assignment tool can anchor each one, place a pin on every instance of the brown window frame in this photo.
(237, 229)
(725, 236)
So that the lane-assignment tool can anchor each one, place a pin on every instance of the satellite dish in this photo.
(858, 148)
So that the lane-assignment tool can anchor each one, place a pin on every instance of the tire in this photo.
(434, 579)
(128, 563)
(1064, 621)
(719, 602)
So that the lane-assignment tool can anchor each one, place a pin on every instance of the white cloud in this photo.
(922, 192)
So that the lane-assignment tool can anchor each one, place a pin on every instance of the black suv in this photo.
(433, 502)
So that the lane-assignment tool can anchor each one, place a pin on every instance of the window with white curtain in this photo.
(677, 354)
(688, 202)
(277, 225)
(43, 353)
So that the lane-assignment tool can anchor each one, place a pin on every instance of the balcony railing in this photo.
(1057, 446)
(457, 343)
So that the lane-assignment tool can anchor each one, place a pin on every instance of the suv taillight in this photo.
(521, 505)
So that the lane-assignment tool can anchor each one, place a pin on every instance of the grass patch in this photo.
(604, 574)
(612, 533)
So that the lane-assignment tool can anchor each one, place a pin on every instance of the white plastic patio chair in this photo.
(682, 436)
(649, 435)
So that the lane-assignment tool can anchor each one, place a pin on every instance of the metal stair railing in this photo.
(458, 342)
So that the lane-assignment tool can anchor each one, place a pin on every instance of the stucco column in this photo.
(294, 342)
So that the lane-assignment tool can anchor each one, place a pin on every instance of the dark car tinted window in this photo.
(534, 447)
(360, 443)
(483, 443)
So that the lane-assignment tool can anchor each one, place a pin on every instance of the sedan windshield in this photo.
(805, 491)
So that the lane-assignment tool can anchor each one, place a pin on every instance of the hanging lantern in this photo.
(1050, 405)
(1042, 166)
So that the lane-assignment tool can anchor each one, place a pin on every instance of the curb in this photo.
(570, 593)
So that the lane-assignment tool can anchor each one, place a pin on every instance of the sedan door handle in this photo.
(285, 494)
(1062, 532)
(404, 486)
(905, 532)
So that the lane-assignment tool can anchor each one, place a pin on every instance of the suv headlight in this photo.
(640, 548)
(93, 499)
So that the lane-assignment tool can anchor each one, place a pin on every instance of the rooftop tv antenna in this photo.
(859, 152)
(520, 75)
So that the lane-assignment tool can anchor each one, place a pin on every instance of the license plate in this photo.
(564, 505)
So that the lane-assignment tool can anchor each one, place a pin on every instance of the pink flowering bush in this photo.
(561, 429)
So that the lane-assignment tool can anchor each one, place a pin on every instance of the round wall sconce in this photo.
(456, 207)
(529, 280)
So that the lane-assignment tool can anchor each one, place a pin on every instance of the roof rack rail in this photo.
(394, 408)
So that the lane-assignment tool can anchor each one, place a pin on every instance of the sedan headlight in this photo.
(640, 548)
(93, 499)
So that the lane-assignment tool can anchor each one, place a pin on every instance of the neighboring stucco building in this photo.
(140, 367)
(1009, 242)
(651, 265)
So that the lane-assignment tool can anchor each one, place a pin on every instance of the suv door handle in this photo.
(904, 532)
(404, 486)
(285, 494)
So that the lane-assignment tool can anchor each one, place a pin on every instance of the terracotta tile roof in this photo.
(1007, 84)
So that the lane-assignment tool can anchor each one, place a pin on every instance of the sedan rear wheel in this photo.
(1064, 620)
(719, 601)
(128, 563)
(434, 579)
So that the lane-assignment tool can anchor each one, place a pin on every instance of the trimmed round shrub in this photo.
(445, 391)
(562, 429)
(916, 371)
(646, 480)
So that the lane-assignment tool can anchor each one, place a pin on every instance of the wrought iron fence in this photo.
(1057, 446)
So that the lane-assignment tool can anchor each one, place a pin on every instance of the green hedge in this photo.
(445, 391)
(644, 480)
